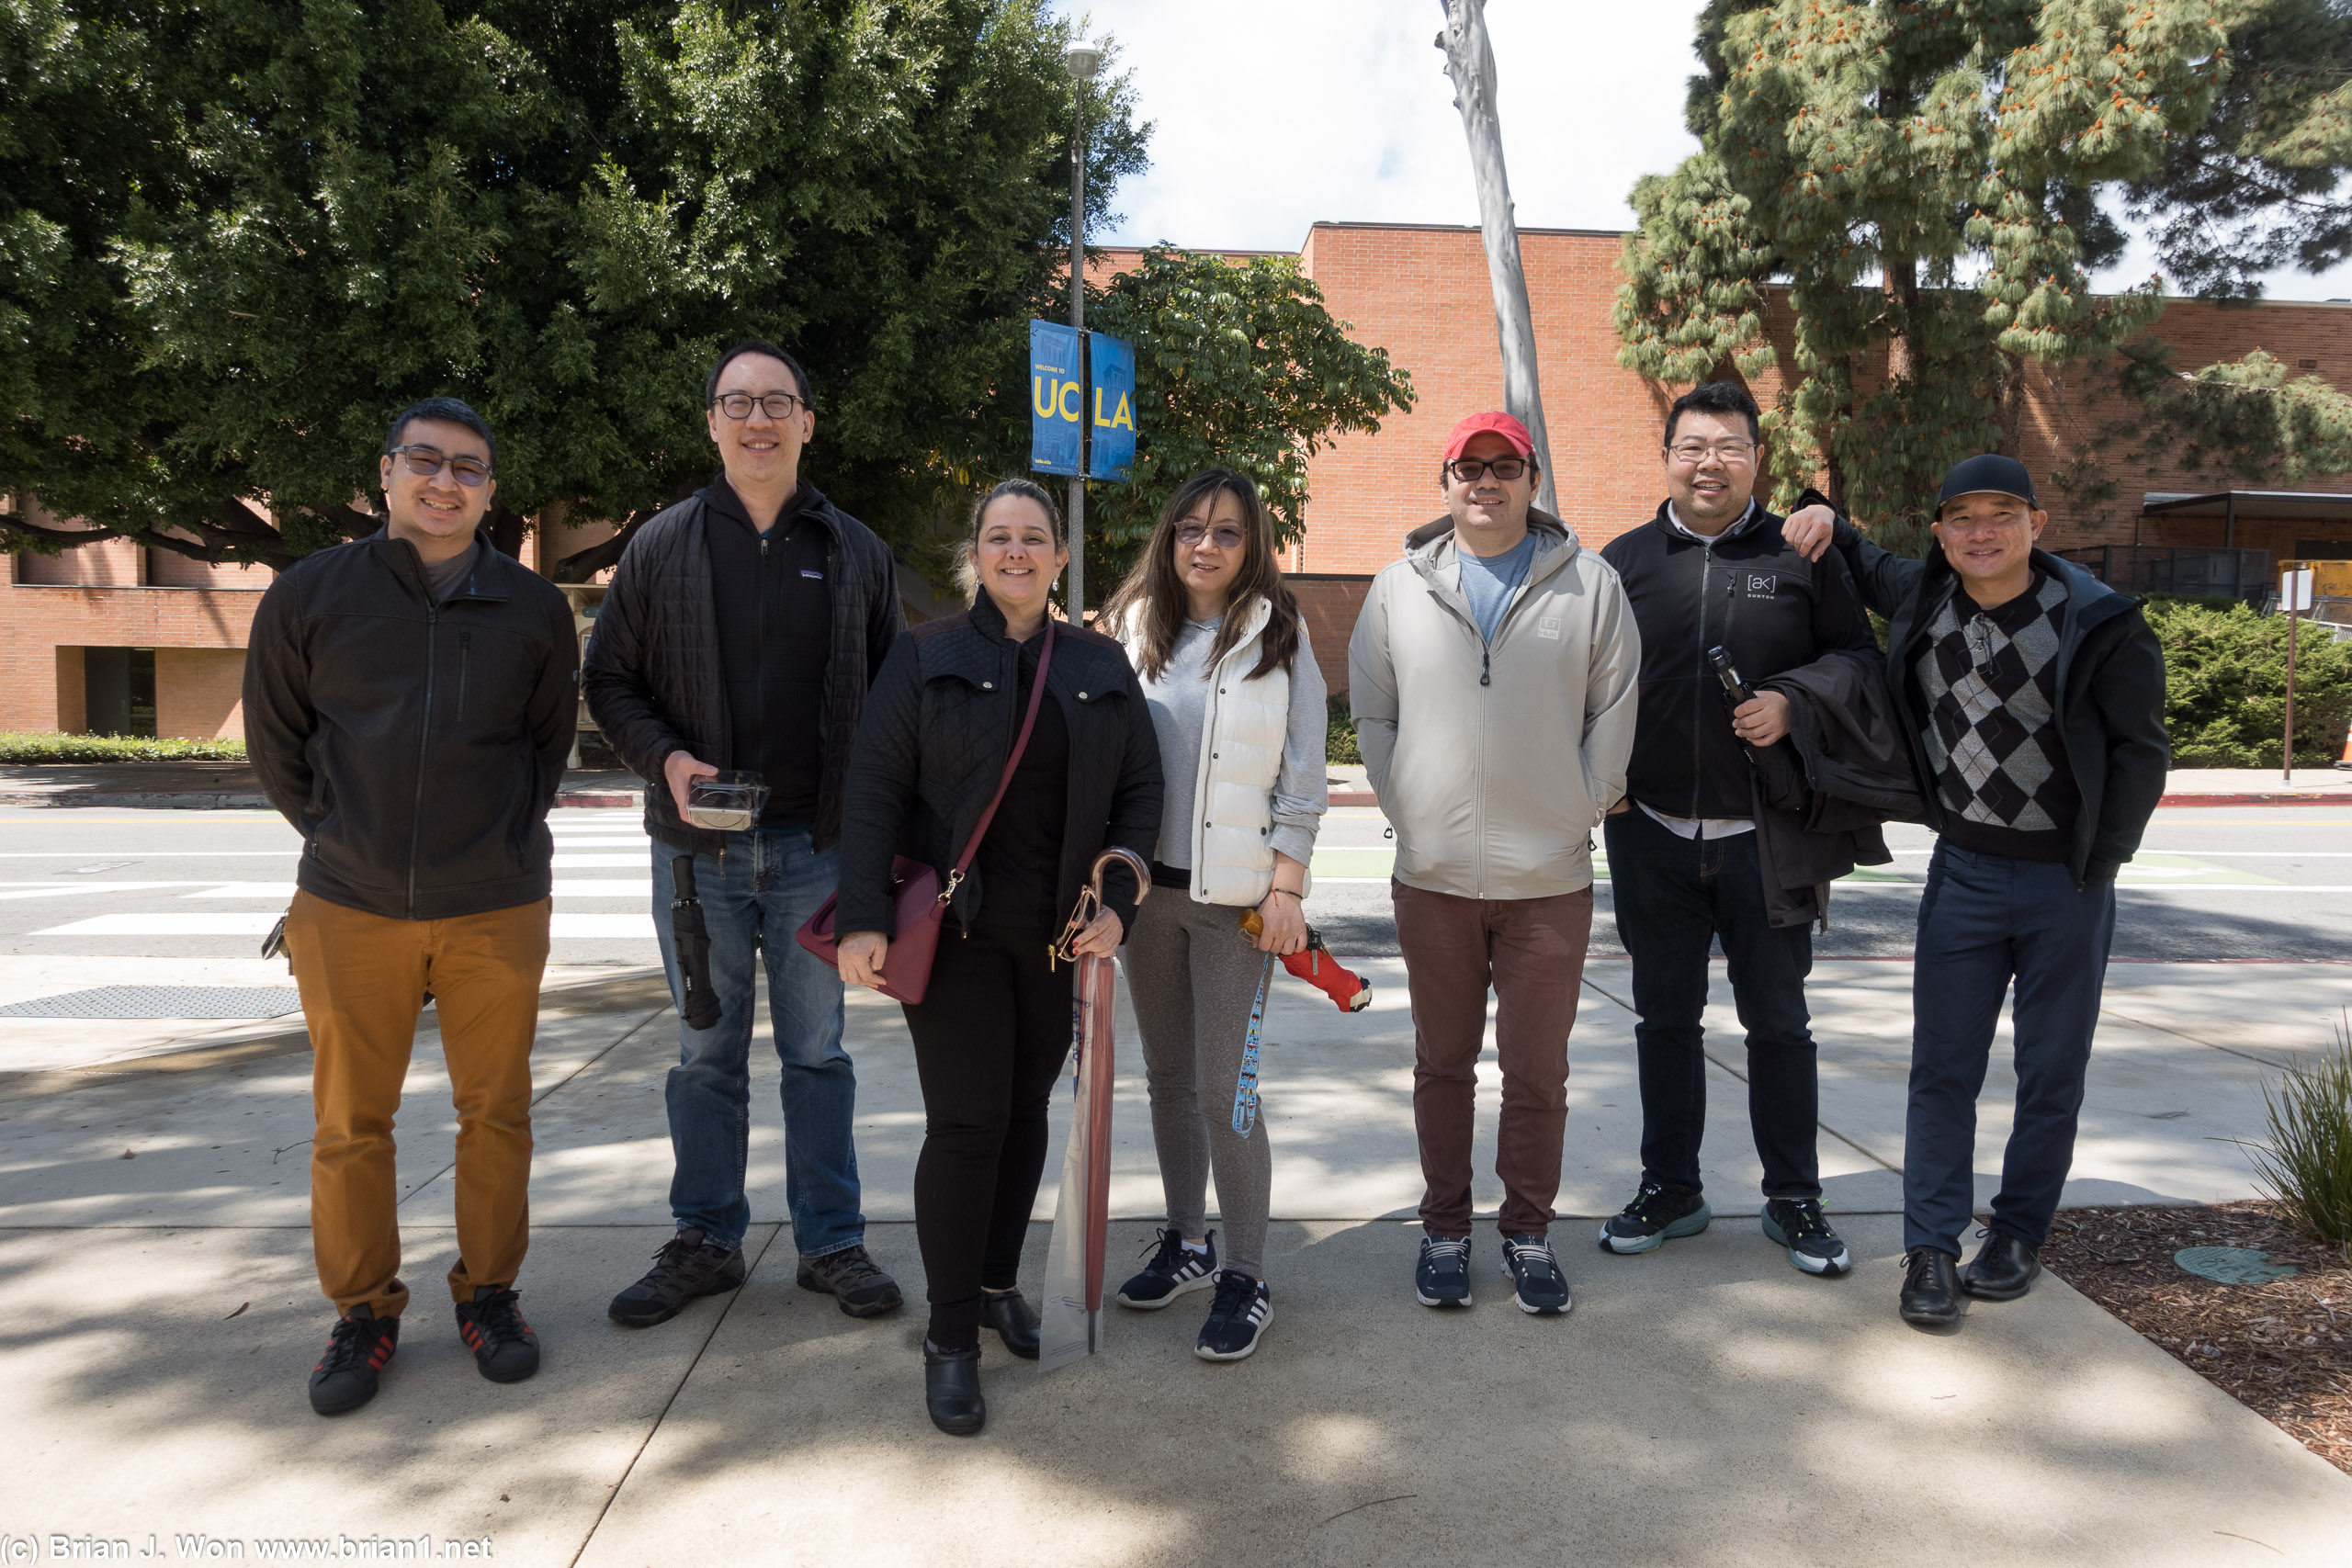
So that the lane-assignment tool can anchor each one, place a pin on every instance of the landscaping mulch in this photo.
(2283, 1349)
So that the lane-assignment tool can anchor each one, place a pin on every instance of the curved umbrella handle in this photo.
(1089, 897)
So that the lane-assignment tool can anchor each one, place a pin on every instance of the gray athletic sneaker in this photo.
(1656, 1216)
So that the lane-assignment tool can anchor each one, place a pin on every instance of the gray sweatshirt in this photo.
(1179, 702)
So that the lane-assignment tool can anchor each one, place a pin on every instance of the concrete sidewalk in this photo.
(1705, 1405)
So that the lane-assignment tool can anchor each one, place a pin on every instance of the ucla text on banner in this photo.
(1057, 397)
(1113, 408)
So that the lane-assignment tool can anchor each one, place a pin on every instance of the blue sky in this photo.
(1273, 113)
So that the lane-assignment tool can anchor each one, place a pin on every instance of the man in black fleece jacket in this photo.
(742, 631)
(1711, 571)
(2034, 698)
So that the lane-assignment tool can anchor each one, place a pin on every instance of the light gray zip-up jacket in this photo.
(1495, 762)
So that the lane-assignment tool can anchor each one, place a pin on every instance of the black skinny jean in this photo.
(1673, 896)
(990, 1035)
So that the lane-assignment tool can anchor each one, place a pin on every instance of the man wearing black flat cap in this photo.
(2032, 695)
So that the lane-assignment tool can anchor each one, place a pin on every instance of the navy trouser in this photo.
(1984, 920)
(1674, 897)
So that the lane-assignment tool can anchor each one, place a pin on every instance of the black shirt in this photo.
(1021, 858)
(774, 611)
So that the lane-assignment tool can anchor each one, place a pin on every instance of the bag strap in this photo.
(1028, 723)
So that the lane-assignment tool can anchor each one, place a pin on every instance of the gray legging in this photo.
(1194, 977)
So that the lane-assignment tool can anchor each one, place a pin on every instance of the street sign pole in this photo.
(2295, 588)
(1074, 591)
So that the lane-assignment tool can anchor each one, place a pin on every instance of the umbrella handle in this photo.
(1089, 897)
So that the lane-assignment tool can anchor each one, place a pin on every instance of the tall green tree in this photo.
(1238, 363)
(1923, 179)
(238, 237)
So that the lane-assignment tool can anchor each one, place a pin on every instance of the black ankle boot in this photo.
(1931, 1288)
(1014, 1322)
(951, 1389)
(2003, 1268)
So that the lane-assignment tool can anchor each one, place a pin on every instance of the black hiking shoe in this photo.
(686, 1266)
(505, 1346)
(1537, 1283)
(1656, 1216)
(1174, 1271)
(1442, 1276)
(1814, 1248)
(851, 1277)
(345, 1377)
(1240, 1314)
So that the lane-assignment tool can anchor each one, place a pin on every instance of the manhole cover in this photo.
(2232, 1265)
(163, 1001)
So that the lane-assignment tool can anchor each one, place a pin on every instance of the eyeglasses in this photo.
(426, 461)
(1470, 470)
(738, 405)
(1226, 536)
(1691, 454)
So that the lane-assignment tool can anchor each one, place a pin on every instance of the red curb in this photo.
(580, 797)
(2266, 797)
(1354, 797)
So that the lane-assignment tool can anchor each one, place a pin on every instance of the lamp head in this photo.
(1082, 58)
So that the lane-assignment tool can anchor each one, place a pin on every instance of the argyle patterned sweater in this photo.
(1989, 680)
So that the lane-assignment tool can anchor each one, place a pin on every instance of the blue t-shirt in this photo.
(1488, 582)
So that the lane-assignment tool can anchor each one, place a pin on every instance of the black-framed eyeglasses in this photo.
(1225, 536)
(426, 461)
(1470, 470)
(779, 405)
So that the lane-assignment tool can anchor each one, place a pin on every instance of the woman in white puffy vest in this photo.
(1238, 704)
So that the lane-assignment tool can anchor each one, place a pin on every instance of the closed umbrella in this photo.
(700, 1008)
(1072, 1324)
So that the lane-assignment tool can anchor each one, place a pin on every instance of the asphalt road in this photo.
(2244, 883)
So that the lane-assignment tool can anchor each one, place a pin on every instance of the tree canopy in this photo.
(235, 238)
(1927, 183)
(1238, 363)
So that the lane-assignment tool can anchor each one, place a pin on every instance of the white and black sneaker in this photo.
(1441, 1277)
(1537, 1283)
(1658, 1214)
(1174, 1271)
(1243, 1308)
(1814, 1248)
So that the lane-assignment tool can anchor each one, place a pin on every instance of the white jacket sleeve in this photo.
(1612, 694)
(1371, 686)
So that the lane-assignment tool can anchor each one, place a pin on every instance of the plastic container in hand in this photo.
(726, 803)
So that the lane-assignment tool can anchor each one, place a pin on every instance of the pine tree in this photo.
(1921, 178)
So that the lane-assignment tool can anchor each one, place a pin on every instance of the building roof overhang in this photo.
(2251, 505)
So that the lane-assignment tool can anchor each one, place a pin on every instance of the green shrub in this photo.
(2307, 1159)
(2225, 685)
(1339, 733)
(23, 749)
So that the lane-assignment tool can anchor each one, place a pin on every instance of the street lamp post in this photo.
(1082, 58)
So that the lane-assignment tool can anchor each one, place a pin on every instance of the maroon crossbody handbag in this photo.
(915, 892)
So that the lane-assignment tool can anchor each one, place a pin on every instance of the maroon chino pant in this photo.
(1530, 950)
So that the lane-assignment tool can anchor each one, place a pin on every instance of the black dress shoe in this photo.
(1012, 1320)
(1931, 1288)
(951, 1389)
(2003, 1270)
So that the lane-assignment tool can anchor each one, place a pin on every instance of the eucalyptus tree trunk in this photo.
(1470, 61)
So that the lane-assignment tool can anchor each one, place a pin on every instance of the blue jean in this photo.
(1984, 920)
(755, 896)
(1674, 897)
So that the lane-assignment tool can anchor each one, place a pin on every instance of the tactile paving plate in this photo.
(163, 1001)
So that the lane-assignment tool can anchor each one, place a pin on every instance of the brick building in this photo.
(131, 630)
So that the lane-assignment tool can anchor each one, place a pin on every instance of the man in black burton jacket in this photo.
(408, 703)
(1711, 569)
(741, 632)
(2032, 696)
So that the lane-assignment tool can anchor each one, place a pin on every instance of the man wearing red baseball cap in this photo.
(1492, 677)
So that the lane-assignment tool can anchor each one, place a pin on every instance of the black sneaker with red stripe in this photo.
(492, 1325)
(344, 1378)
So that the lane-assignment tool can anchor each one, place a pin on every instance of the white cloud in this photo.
(1271, 115)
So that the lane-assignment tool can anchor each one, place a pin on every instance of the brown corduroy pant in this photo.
(363, 979)
(1531, 951)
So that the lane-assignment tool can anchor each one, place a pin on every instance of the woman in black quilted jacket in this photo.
(993, 1028)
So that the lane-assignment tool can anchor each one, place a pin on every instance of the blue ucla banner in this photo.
(1056, 397)
(1112, 408)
